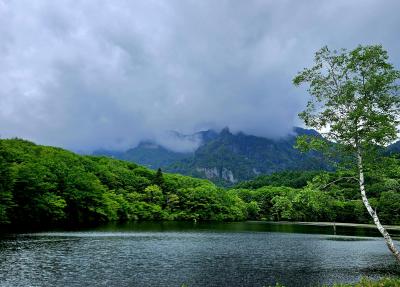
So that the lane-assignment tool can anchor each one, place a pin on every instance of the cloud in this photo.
(108, 74)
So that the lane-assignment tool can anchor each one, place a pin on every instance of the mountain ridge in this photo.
(227, 158)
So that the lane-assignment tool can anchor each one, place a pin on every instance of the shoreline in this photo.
(327, 223)
(7, 229)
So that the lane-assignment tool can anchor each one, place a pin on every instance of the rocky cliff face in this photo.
(215, 174)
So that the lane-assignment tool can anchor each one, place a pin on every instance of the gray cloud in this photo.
(107, 74)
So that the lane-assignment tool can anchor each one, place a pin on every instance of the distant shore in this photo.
(364, 225)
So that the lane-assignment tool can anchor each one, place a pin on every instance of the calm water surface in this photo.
(172, 254)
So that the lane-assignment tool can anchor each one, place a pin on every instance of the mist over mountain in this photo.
(155, 154)
(74, 79)
(225, 157)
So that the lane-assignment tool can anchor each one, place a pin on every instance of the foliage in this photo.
(354, 97)
(284, 203)
(44, 186)
(328, 196)
(290, 178)
(6, 185)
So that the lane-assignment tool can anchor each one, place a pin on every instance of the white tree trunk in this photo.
(382, 230)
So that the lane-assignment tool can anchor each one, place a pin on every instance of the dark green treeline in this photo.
(45, 186)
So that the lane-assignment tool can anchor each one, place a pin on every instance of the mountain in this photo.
(231, 158)
(227, 158)
(394, 148)
(154, 155)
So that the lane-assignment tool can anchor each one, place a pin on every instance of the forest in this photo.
(43, 186)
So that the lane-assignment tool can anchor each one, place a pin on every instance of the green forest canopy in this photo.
(44, 186)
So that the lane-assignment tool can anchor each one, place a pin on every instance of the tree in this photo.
(154, 194)
(159, 179)
(6, 186)
(354, 97)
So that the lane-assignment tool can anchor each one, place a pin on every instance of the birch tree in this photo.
(354, 99)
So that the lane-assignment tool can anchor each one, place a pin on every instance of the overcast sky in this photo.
(106, 74)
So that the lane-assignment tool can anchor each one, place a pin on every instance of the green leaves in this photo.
(6, 185)
(44, 186)
(353, 97)
(306, 143)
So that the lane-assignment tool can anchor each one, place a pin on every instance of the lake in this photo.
(203, 254)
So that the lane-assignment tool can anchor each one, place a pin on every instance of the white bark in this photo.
(382, 230)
